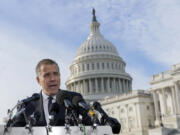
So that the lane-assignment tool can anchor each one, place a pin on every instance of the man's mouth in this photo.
(53, 85)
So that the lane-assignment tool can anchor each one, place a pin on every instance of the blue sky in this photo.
(146, 34)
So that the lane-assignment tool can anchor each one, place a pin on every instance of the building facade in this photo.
(165, 88)
(98, 73)
(134, 110)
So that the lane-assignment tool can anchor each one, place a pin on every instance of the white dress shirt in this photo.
(45, 105)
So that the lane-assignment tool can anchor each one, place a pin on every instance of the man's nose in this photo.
(52, 77)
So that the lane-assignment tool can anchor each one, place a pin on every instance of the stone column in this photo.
(90, 87)
(84, 87)
(96, 86)
(176, 88)
(173, 100)
(120, 86)
(127, 81)
(78, 87)
(127, 88)
(157, 113)
(137, 116)
(108, 85)
(123, 84)
(114, 85)
(164, 101)
(73, 86)
(130, 85)
(102, 85)
(81, 84)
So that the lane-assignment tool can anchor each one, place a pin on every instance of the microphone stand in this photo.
(28, 123)
(48, 128)
(10, 113)
(67, 122)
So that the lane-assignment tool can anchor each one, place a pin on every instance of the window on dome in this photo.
(102, 65)
(97, 65)
(83, 67)
(107, 65)
(92, 66)
(92, 48)
(112, 65)
(79, 69)
(87, 66)
(116, 66)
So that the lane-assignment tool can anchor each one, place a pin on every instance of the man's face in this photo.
(49, 79)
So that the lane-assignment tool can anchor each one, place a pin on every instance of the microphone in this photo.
(78, 101)
(34, 97)
(28, 110)
(54, 110)
(34, 118)
(105, 119)
(22, 116)
(62, 98)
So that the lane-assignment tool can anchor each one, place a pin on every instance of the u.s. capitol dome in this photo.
(97, 70)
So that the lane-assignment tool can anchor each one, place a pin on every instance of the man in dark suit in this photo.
(48, 77)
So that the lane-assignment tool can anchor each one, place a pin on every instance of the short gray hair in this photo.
(45, 62)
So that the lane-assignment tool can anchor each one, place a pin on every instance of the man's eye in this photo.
(46, 75)
(56, 73)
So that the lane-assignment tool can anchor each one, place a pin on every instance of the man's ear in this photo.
(37, 79)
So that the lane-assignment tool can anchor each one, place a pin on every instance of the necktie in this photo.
(49, 102)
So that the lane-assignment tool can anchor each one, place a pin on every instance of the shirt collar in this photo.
(45, 97)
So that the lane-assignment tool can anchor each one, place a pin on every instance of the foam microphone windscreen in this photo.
(54, 108)
(34, 97)
(76, 100)
(60, 96)
(29, 109)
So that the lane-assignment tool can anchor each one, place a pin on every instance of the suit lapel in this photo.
(40, 109)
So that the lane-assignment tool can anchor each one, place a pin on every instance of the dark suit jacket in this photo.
(60, 119)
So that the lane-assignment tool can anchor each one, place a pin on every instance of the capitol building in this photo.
(99, 73)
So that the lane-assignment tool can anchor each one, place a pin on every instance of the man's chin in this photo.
(53, 91)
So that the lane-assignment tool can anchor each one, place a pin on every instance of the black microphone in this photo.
(62, 98)
(54, 110)
(34, 97)
(34, 118)
(28, 110)
(115, 125)
(78, 101)
(22, 115)
(65, 98)
(86, 110)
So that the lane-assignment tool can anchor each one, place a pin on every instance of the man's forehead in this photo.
(46, 67)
